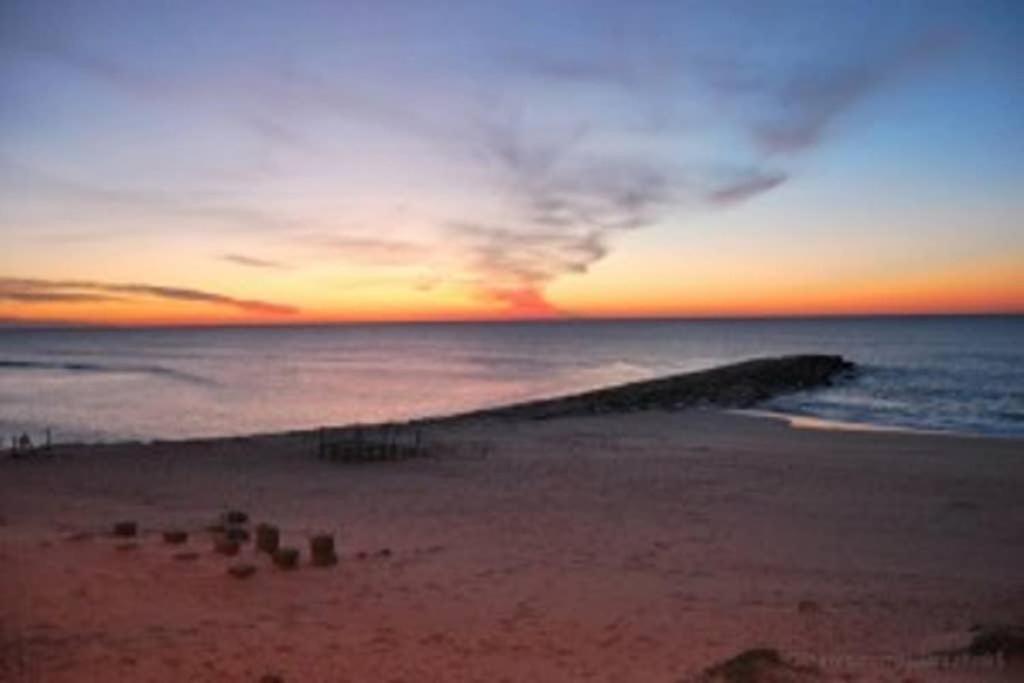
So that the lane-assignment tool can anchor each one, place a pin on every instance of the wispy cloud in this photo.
(569, 210)
(71, 55)
(530, 257)
(206, 209)
(362, 249)
(785, 108)
(555, 195)
(36, 295)
(253, 262)
(792, 110)
(29, 290)
(607, 69)
(423, 282)
(567, 204)
(746, 185)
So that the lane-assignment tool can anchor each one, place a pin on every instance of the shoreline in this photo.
(649, 546)
(737, 385)
(805, 421)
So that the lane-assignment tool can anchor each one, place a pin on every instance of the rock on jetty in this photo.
(739, 385)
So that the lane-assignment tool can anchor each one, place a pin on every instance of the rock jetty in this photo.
(740, 385)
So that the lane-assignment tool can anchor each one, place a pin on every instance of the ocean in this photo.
(960, 374)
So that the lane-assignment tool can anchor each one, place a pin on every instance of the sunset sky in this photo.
(201, 162)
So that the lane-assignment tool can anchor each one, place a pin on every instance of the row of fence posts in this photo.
(370, 444)
(22, 445)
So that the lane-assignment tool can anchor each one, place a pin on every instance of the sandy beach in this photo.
(512, 342)
(636, 547)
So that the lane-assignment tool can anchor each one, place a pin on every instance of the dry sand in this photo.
(641, 547)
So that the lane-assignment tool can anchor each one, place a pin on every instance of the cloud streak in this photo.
(115, 73)
(564, 171)
(567, 206)
(569, 214)
(253, 262)
(793, 111)
(182, 206)
(749, 184)
(361, 249)
(37, 291)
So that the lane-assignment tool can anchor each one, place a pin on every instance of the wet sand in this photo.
(636, 547)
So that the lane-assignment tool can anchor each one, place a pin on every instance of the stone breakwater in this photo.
(739, 385)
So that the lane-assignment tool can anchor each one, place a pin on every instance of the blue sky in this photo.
(401, 159)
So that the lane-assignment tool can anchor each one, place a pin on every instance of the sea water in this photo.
(957, 373)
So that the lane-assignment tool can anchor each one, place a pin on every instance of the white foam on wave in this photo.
(821, 423)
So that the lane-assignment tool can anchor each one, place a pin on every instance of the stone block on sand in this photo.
(268, 538)
(321, 550)
(235, 517)
(175, 537)
(286, 558)
(126, 529)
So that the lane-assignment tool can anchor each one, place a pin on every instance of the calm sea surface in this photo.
(949, 373)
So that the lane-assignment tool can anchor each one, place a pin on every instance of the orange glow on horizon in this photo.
(991, 286)
(974, 290)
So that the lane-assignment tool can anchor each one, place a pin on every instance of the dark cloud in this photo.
(28, 290)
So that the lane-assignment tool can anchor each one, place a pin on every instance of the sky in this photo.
(294, 162)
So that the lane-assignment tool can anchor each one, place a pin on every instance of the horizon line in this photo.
(28, 324)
